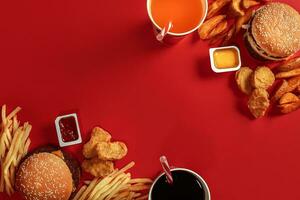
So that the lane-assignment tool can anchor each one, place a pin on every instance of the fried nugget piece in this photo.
(242, 78)
(288, 98)
(289, 65)
(97, 167)
(289, 107)
(98, 135)
(111, 151)
(288, 74)
(259, 102)
(287, 86)
(215, 7)
(262, 78)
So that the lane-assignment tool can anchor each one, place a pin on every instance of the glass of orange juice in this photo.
(173, 19)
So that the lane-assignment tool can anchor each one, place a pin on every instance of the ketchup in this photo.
(68, 129)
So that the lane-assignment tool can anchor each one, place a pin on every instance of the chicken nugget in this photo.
(242, 78)
(97, 167)
(262, 78)
(288, 98)
(98, 135)
(259, 102)
(111, 150)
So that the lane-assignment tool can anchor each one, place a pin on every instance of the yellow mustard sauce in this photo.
(226, 58)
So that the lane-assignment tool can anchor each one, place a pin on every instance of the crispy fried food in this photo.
(288, 98)
(288, 74)
(116, 186)
(262, 77)
(220, 28)
(289, 107)
(229, 35)
(215, 7)
(242, 78)
(235, 9)
(298, 89)
(97, 167)
(242, 20)
(287, 86)
(209, 25)
(289, 65)
(14, 144)
(98, 135)
(249, 3)
(259, 102)
(111, 151)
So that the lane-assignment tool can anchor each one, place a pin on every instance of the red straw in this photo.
(165, 165)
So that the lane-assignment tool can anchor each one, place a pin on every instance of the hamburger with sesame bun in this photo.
(273, 32)
(47, 174)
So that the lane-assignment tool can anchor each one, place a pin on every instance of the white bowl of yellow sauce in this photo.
(225, 59)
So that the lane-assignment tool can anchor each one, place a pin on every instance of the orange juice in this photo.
(185, 15)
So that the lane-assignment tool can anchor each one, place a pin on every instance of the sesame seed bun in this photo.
(44, 176)
(274, 32)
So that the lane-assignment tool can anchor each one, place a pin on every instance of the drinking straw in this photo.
(165, 165)
(164, 31)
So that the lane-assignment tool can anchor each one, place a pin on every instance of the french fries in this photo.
(14, 144)
(116, 186)
(290, 65)
(209, 25)
(215, 7)
(220, 28)
(242, 20)
(235, 9)
(287, 86)
(288, 74)
(249, 3)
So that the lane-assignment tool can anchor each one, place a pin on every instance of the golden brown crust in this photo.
(290, 107)
(289, 65)
(276, 29)
(288, 74)
(98, 135)
(111, 151)
(44, 176)
(287, 86)
(259, 102)
(288, 98)
(234, 9)
(97, 167)
(209, 25)
(242, 78)
(262, 78)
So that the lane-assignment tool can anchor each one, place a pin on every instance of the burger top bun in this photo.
(44, 176)
(276, 29)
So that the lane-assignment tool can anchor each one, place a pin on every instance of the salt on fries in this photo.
(117, 186)
(14, 144)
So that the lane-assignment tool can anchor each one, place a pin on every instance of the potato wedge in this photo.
(287, 86)
(220, 28)
(235, 9)
(289, 65)
(288, 98)
(229, 36)
(290, 107)
(288, 74)
(243, 20)
(209, 25)
(215, 7)
(249, 3)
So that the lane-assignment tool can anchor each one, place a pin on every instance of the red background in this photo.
(100, 59)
